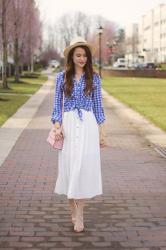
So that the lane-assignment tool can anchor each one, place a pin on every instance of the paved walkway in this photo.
(131, 214)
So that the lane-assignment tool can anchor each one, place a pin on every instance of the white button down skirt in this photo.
(79, 166)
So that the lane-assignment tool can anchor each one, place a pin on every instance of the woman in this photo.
(79, 170)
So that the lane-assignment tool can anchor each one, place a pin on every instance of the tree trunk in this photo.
(29, 67)
(21, 68)
(32, 64)
(9, 67)
(16, 60)
(4, 47)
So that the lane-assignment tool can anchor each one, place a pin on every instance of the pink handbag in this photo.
(56, 144)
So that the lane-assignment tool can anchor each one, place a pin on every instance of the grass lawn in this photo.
(10, 103)
(145, 95)
(27, 85)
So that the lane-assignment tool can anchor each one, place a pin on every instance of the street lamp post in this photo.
(100, 31)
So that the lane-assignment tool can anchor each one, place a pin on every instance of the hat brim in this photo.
(70, 47)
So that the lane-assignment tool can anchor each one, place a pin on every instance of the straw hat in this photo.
(78, 41)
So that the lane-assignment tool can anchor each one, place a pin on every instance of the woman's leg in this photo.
(79, 220)
(73, 209)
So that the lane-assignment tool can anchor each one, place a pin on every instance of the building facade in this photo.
(151, 33)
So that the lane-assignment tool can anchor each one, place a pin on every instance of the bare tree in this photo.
(71, 25)
(75, 24)
(81, 24)
(120, 42)
(66, 28)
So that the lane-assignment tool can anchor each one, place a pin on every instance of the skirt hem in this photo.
(85, 197)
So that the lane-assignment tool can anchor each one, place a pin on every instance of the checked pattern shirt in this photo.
(78, 100)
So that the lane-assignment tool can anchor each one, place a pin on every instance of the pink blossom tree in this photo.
(20, 32)
(26, 33)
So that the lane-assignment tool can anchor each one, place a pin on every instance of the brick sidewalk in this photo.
(131, 214)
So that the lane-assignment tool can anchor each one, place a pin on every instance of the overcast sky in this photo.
(120, 11)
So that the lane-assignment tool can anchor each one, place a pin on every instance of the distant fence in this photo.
(135, 73)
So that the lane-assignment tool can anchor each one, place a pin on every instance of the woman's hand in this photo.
(102, 142)
(102, 136)
(59, 133)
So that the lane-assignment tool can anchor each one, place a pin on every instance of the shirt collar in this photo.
(81, 77)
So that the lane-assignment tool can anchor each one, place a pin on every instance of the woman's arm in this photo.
(98, 109)
(56, 117)
(97, 100)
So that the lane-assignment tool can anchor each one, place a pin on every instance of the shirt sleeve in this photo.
(58, 99)
(97, 100)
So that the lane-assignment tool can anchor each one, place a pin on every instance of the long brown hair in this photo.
(70, 72)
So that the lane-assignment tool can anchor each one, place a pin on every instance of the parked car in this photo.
(150, 65)
(135, 65)
(146, 65)
(53, 63)
(120, 63)
(139, 66)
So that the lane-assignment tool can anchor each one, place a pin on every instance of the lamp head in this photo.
(100, 30)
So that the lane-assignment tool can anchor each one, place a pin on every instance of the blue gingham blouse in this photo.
(78, 100)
